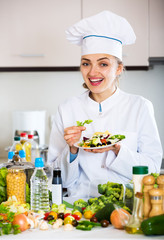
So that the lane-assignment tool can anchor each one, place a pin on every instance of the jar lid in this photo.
(140, 170)
(16, 138)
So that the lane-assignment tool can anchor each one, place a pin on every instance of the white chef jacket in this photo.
(122, 113)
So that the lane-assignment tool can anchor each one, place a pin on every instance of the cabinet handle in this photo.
(31, 55)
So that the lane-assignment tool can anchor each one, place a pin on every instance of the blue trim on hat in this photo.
(103, 37)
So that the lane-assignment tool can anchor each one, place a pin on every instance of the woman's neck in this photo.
(100, 97)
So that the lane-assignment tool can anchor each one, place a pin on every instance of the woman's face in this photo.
(99, 72)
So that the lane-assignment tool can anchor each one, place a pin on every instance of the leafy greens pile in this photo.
(6, 219)
(3, 192)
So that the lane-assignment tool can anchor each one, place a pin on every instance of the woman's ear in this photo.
(119, 69)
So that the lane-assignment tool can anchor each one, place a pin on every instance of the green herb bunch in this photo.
(6, 219)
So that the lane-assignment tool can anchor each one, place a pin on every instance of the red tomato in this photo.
(67, 214)
(77, 217)
(83, 208)
(103, 141)
(46, 215)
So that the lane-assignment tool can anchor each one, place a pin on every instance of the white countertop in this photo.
(97, 233)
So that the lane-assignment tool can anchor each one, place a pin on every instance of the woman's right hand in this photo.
(73, 135)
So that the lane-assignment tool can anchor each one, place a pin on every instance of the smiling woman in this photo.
(100, 73)
(101, 38)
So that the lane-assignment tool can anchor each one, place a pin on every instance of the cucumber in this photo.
(153, 225)
(105, 212)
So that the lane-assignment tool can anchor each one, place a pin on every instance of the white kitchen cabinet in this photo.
(136, 12)
(156, 18)
(32, 33)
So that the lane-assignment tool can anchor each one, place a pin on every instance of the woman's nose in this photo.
(93, 71)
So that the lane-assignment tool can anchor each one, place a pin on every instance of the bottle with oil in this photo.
(134, 224)
(16, 147)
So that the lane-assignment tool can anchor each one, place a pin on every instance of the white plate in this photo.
(106, 146)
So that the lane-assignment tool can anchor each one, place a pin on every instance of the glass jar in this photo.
(16, 184)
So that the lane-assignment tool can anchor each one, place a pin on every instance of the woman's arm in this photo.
(61, 143)
(149, 150)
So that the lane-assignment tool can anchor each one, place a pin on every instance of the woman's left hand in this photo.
(115, 148)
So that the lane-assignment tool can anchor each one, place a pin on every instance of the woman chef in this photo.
(101, 37)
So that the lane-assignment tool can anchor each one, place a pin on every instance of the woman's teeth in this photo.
(96, 80)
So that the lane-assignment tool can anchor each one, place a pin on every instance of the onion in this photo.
(21, 220)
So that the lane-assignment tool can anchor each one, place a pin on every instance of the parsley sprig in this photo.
(83, 123)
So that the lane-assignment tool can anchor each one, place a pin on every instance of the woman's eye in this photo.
(85, 64)
(104, 64)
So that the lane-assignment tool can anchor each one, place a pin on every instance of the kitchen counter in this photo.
(97, 233)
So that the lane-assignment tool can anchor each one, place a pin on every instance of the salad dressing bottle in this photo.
(134, 224)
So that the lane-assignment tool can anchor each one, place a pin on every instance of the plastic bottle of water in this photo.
(39, 188)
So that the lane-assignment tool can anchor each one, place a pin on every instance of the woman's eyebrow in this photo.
(85, 59)
(102, 58)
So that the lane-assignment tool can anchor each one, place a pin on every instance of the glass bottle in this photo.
(16, 184)
(134, 223)
(39, 188)
(57, 195)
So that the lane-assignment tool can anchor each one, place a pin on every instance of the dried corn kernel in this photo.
(16, 183)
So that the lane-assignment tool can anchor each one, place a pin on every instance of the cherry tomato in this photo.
(68, 220)
(46, 215)
(78, 213)
(61, 215)
(83, 209)
(103, 141)
(76, 216)
(54, 214)
(88, 214)
(67, 214)
(104, 223)
(94, 219)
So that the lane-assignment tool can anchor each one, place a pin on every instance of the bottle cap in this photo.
(39, 162)
(30, 136)
(22, 154)
(140, 170)
(16, 138)
(10, 155)
(23, 134)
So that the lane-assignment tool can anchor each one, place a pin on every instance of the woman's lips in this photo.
(95, 81)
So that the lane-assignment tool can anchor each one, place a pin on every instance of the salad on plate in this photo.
(100, 140)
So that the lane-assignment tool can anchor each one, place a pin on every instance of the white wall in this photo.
(45, 90)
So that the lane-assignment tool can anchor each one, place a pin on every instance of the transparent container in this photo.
(134, 224)
(16, 184)
(17, 146)
(32, 149)
(39, 188)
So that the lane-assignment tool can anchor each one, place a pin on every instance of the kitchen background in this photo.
(33, 38)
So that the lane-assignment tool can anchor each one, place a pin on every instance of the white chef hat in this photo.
(105, 32)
